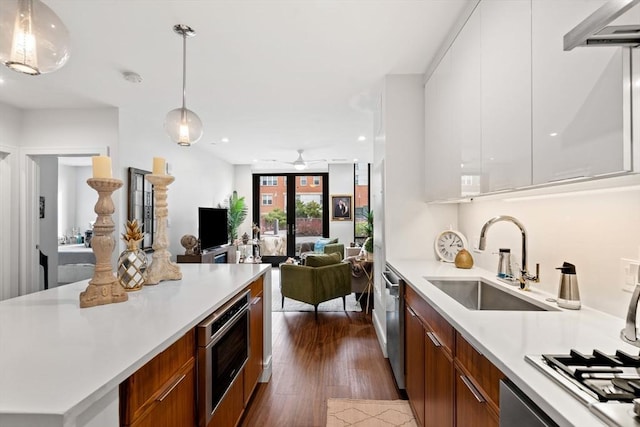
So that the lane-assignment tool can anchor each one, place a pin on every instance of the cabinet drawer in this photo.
(434, 321)
(175, 405)
(257, 287)
(483, 372)
(140, 390)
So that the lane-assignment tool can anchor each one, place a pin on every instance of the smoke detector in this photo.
(132, 77)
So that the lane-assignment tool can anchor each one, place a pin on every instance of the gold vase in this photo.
(132, 264)
(464, 259)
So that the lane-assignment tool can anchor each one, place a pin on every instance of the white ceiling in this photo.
(272, 76)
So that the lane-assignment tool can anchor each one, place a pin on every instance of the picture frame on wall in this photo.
(341, 207)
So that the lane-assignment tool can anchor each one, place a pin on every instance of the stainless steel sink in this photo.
(480, 295)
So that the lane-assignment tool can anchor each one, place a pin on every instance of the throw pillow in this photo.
(322, 260)
(319, 245)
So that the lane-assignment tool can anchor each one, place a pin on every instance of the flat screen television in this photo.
(212, 227)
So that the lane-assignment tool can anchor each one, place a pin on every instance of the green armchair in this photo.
(322, 278)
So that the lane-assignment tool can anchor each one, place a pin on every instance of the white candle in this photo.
(101, 167)
(159, 167)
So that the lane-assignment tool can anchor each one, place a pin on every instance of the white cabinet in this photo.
(452, 118)
(578, 95)
(506, 94)
(508, 108)
(478, 106)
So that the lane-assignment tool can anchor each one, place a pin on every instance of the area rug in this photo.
(369, 413)
(293, 305)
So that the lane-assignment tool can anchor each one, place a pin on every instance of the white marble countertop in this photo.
(505, 337)
(56, 359)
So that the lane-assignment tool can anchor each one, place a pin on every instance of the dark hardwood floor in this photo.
(337, 356)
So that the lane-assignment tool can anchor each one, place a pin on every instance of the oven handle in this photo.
(223, 330)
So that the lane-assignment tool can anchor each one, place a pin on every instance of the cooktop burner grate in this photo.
(608, 377)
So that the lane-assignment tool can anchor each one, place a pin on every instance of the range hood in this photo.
(596, 31)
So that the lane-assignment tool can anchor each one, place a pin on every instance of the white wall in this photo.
(10, 128)
(76, 200)
(591, 229)
(85, 199)
(341, 182)
(410, 224)
(201, 179)
(67, 199)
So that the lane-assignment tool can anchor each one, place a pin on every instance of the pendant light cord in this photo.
(184, 71)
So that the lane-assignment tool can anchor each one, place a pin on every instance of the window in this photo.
(303, 180)
(269, 181)
(267, 199)
(361, 200)
(316, 180)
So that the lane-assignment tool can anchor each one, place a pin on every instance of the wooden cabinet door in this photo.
(414, 363)
(253, 368)
(438, 384)
(471, 404)
(175, 405)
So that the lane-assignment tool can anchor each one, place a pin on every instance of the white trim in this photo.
(8, 213)
(29, 259)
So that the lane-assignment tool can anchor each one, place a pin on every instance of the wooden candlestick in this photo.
(161, 267)
(104, 287)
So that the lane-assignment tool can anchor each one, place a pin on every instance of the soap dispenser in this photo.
(568, 293)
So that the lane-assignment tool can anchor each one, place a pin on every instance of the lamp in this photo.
(33, 40)
(183, 125)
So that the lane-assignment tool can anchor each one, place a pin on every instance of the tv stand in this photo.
(220, 255)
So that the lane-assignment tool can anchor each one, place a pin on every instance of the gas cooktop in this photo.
(608, 384)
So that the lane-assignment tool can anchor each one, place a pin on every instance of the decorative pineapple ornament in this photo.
(132, 261)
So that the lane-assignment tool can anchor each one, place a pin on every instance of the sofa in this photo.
(323, 277)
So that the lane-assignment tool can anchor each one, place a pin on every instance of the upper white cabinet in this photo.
(453, 119)
(579, 125)
(478, 106)
(506, 94)
(507, 108)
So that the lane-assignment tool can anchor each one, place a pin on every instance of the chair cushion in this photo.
(322, 260)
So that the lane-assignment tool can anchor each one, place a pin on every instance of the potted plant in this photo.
(237, 213)
(368, 244)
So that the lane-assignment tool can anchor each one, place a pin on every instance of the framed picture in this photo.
(341, 207)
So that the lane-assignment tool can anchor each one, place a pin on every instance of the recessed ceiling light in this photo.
(1, 80)
(224, 140)
(362, 138)
(553, 134)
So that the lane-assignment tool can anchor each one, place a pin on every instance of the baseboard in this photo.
(381, 332)
(267, 368)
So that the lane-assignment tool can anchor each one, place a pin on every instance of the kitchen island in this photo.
(505, 337)
(61, 365)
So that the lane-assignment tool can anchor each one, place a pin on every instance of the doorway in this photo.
(292, 211)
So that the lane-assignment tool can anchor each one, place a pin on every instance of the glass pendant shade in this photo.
(33, 40)
(183, 126)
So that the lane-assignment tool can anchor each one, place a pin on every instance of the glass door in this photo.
(292, 212)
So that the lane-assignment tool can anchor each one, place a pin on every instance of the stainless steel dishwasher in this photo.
(394, 287)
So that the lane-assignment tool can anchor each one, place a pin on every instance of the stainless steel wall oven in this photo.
(223, 350)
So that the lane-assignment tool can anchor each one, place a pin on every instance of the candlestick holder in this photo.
(161, 267)
(104, 287)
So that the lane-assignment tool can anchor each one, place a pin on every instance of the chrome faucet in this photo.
(525, 277)
(630, 334)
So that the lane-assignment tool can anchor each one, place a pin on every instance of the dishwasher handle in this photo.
(390, 283)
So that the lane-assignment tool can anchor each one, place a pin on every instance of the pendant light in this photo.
(33, 40)
(183, 125)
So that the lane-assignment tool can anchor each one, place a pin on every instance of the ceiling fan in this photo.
(300, 163)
